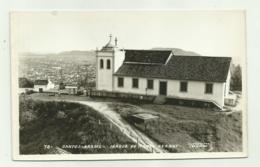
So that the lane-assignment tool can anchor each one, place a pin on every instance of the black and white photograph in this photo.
(128, 84)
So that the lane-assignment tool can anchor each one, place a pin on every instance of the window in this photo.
(184, 86)
(135, 83)
(120, 82)
(108, 64)
(209, 88)
(149, 84)
(101, 63)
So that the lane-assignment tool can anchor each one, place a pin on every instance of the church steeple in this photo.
(109, 46)
(108, 60)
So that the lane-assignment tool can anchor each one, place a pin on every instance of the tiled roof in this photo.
(195, 68)
(147, 56)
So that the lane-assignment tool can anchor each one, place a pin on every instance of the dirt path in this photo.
(134, 134)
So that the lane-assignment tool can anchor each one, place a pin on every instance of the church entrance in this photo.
(163, 88)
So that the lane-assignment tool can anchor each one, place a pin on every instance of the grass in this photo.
(62, 123)
(184, 126)
(179, 125)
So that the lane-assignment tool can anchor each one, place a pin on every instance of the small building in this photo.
(231, 99)
(163, 73)
(43, 85)
(72, 90)
(143, 118)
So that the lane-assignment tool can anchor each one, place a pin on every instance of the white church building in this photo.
(163, 73)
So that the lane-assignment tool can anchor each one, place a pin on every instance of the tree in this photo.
(25, 83)
(236, 78)
(61, 86)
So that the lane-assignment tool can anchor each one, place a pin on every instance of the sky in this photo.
(209, 33)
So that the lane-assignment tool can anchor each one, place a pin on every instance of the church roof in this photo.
(147, 56)
(150, 64)
(109, 45)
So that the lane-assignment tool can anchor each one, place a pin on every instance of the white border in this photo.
(15, 118)
(253, 59)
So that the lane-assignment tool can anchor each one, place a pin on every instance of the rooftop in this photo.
(147, 56)
(109, 46)
(41, 82)
(155, 64)
(145, 116)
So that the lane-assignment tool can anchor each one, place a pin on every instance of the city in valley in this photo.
(74, 68)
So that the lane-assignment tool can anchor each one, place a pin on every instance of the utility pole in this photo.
(61, 86)
(86, 77)
(61, 75)
(78, 78)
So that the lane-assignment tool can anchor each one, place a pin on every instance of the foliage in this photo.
(236, 78)
(61, 86)
(25, 83)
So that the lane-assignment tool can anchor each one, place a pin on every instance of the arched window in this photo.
(108, 64)
(101, 63)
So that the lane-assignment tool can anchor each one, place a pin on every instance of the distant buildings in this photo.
(69, 69)
(43, 85)
(72, 90)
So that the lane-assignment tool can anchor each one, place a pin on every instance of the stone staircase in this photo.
(159, 99)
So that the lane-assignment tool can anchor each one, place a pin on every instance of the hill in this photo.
(81, 57)
(178, 51)
(76, 128)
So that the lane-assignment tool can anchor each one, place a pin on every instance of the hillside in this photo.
(178, 51)
(192, 129)
(73, 127)
(81, 57)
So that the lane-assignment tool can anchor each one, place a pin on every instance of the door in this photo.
(163, 88)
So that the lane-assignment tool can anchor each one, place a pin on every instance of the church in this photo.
(163, 74)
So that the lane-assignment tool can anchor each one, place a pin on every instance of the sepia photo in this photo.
(103, 85)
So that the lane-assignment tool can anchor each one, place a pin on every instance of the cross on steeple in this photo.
(110, 37)
(109, 45)
(116, 41)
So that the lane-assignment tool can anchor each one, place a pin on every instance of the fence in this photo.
(149, 98)
(120, 95)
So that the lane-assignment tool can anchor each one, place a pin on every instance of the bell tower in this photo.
(107, 60)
